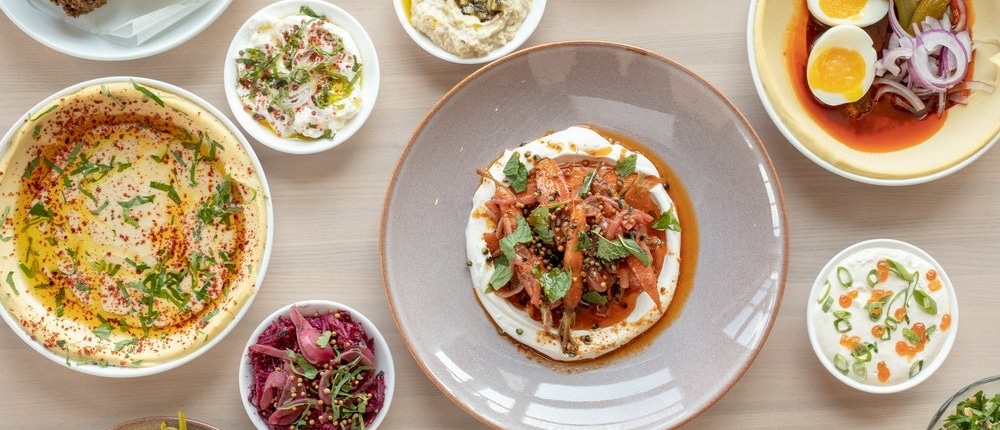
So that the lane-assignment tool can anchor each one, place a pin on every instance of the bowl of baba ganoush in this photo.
(469, 31)
(137, 227)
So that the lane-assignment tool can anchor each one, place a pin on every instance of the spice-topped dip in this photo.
(300, 75)
(882, 313)
(134, 225)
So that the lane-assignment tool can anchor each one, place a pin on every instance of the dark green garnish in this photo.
(516, 173)
(149, 94)
(626, 166)
(977, 412)
(556, 283)
(668, 221)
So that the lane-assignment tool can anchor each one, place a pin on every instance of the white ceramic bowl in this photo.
(370, 77)
(523, 33)
(200, 347)
(383, 357)
(859, 260)
(966, 134)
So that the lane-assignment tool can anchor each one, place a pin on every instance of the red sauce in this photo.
(885, 128)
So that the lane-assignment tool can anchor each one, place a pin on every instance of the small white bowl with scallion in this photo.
(882, 316)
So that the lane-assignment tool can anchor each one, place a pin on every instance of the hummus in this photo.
(465, 35)
(134, 226)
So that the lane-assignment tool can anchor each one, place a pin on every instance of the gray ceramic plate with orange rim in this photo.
(734, 259)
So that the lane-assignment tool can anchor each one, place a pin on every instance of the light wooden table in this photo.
(327, 210)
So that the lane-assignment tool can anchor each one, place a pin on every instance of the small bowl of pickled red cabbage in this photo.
(316, 364)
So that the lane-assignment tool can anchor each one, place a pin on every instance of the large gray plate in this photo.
(677, 371)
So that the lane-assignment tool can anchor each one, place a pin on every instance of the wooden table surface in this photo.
(327, 209)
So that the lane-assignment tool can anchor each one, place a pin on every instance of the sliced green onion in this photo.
(826, 292)
(862, 353)
(872, 278)
(925, 302)
(874, 310)
(886, 334)
(860, 370)
(841, 314)
(911, 336)
(891, 323)
(844, 276)
(842, 325)
(840, 362)
(827, 304)
(900, 271)
(916, 368)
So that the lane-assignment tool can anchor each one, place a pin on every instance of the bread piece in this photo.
(76, 8)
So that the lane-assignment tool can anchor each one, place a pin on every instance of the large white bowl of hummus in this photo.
(136, 230)
(451, 32)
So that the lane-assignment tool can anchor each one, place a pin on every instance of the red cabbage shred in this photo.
(282, 336)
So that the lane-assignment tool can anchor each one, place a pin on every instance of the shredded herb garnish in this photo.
(977, 412)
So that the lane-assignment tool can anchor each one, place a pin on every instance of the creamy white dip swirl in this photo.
(301, 76)
(881, 315)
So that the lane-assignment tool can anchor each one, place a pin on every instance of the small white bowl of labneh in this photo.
(882, 316)
(301, 76)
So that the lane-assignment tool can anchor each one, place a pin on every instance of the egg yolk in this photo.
(842, 8)
(838, 70)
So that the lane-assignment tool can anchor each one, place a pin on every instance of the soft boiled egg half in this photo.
(855, 12)
(841, 65)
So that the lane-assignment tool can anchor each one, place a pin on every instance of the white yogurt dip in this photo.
(882, 313)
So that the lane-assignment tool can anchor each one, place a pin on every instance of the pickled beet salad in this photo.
(316, 372)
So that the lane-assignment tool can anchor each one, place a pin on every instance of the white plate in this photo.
(71, 40)
(734, 273)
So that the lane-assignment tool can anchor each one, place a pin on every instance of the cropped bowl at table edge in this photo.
(969, 131)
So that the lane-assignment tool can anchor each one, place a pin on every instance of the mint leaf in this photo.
(610, 249)
(539, 220)
(501, 274)
(324, 339)
(516, 173)
(667, 221)
(595, 298)
(300, 365)
(521, 235)
(634, 249)
(556, 283)
(626, 165)
(583, 241)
